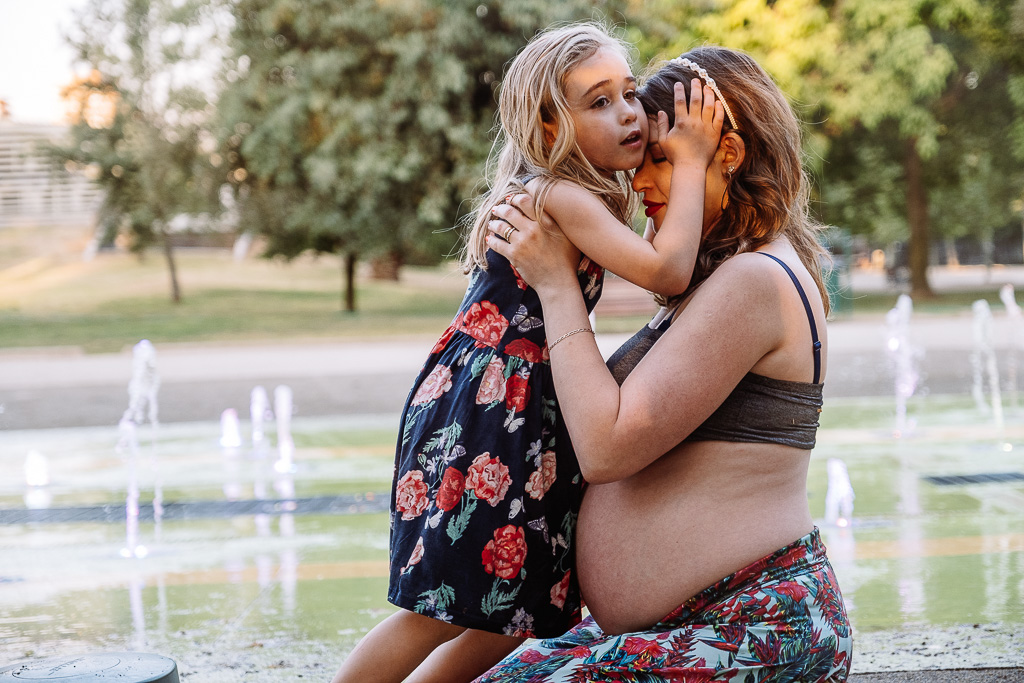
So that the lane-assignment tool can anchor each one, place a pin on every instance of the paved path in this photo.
(63, 387)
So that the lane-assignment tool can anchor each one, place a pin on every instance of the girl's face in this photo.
(654, 179)
(611, 127)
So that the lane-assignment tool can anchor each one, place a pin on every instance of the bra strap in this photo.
(807, 309)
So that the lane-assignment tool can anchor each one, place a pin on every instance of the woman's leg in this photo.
(464, 658)
(394, 648)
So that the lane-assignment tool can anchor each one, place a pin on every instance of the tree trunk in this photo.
(917, 217)
(172, 267)
(386, 266)
(348, 293)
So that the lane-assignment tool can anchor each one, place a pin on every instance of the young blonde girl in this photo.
(487, 487)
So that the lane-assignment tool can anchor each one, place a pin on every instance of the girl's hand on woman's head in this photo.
(698, 126)
(543, 256)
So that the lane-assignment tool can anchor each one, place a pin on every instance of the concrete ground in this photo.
(65, 388)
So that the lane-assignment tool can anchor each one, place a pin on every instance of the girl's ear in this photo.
(733, 150)
(550, 132)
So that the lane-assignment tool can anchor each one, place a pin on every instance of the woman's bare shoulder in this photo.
(747, 274)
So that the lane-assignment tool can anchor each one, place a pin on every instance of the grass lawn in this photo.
(50, 297)
(117, 298)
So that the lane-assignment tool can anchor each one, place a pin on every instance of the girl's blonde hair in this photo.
(532, 94)
(768, 194)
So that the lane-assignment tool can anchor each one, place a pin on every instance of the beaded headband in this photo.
(699, 70)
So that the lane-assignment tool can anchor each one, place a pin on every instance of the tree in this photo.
(139, 118)
(361, 128)
(905, 71)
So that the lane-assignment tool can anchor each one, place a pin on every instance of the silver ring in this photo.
(508, 233)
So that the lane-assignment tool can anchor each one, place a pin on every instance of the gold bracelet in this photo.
(569, 334)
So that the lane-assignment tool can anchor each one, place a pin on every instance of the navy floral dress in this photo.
(487, 487)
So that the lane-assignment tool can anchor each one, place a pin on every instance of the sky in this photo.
(35, 63)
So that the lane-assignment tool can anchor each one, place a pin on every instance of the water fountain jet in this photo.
(1013, 314)
(142, 406)
(904, 357)
(983, 365)
(839, 495)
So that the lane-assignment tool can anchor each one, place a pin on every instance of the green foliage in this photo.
(139, 124)
(363, 126)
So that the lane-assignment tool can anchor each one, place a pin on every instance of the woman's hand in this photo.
(698, 127)
(544, 258)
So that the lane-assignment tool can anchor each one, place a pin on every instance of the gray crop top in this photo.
(760, 409)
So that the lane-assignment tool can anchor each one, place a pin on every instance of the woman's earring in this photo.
(729, 171)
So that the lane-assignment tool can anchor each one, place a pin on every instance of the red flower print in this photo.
(531, 656)
(520, 282)
(636, 645)
(517, 392)
(525, 349)
(445, 336)
(417, 554)
(488, 479)
(492, 384)
(543, 477)
(729, 638)
(559, 591)
(450, 492)
(411, 495)
(589, 267)
(437, 383)
(504, 555)
(579, 652)
(792, 589)
(484, 323)
(769, 650)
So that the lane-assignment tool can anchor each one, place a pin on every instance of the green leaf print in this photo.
(512, 365)
(444, 438)
(410, 422)
(549, 410)
(480, 363)
(436, 600)
(457, 524)
(498, 600)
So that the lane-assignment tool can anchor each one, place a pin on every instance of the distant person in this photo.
(696, 552)
(487, 488)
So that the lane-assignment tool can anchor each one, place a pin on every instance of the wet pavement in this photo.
(257, 572)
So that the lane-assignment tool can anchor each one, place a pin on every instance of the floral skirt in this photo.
(780, 619)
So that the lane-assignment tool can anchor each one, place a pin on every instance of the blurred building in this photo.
(33, 189)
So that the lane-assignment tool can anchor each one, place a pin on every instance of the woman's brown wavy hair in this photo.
(768, 193)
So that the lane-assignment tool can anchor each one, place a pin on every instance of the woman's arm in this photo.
(730, 323)
(664, 265)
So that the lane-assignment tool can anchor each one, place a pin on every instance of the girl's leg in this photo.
(464, 658)
(394, 648)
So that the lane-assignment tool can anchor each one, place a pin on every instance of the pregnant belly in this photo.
(648, 543)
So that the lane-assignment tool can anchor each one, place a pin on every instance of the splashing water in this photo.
(1013, 313)
(37, 481)
(839, 495)
(904, 357)
(285, 445)
(230, 430)
(142, 405)
(259, 412)
(983, 364)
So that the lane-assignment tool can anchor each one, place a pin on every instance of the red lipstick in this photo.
(652, 208)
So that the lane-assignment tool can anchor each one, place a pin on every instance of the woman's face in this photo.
(653, 178)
